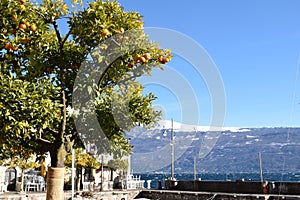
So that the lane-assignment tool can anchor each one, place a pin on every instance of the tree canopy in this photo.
(44, 47)
(26, 110)
(82, 160)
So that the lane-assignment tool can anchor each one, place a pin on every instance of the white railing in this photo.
(130, 182)
(134, 182)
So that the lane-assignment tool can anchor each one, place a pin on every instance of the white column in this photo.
(148, 184)
(73, 172)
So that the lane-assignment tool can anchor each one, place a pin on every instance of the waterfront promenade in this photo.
(105, 195)
(150, 194)
(195, 195)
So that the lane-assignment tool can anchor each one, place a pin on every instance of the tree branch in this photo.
(68, 34)
(43, 16)
(51, 131)
(54, 23)
(111, 83)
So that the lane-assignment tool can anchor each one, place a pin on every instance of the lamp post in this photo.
(73, 173)
(102, 176)
(129, 158)
(129, 164)
(172, 149)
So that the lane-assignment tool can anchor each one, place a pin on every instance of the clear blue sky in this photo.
(255, 45)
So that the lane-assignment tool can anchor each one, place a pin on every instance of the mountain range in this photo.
(215, 149)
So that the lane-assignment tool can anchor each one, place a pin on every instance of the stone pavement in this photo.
(105, 195)
(12, 195)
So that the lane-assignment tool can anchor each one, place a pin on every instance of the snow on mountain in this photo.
(217, 149)
(177, 126)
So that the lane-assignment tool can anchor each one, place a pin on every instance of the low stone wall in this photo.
(290, 188)
(186, 195)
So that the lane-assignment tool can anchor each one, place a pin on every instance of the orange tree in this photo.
(48, 41)
(24, 162)
(82, 161)
(121, 166)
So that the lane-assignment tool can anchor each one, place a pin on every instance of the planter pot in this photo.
(55, 183)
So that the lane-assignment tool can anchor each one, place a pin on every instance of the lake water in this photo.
(278, 177)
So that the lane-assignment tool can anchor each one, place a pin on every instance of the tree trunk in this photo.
(55, 183)
(22, 181)
(79, 174)
(55, 175)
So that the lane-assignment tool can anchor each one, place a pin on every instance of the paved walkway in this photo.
(105, 195)
(191, 195)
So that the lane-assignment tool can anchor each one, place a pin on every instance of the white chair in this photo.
(86, 186)
(30, 185)
(3, 187)
(41, 183)
(42, 186)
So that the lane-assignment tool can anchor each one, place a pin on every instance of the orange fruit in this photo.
(8, 46)
(130, 65)
(27, 24)
(23, 26)
(160, 59)
(33, 27)
(15, 48)
(166, 59)
(137, 57)
(25, 41)
(147, 56)
(121, 30)
(143, 60)
(141, 25)
(104, 32)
